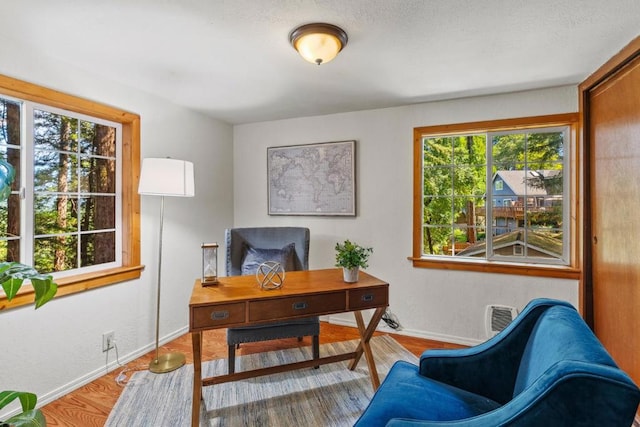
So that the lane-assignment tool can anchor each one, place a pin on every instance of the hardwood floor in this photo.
(91, 404)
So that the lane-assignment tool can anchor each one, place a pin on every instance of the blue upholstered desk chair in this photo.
(247, 248)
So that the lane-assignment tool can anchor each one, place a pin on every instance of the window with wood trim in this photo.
(73, 209)
(496, 194)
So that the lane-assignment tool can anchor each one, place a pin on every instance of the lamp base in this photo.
(167, 363)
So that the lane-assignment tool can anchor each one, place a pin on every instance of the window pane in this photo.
(55, 253)
(469, 180)
(436, 239)
(98, 175)
(438, 210)
(469, 150)
(98, 213)
(10, 203)
(454, 187)
(96, 248)
(97, 139)
(9, 122)
(529, 243)
(545, 148)
(437, 151)
(53, 131)
(10, 228)
(55, 172)
(10, 117)
(543, 181)
(55, 214)
(438, 181)
(507, 150)
(12, 156)
(10, 216)
(9, 250)
(75, 192)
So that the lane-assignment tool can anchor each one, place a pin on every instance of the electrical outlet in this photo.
(108, 341)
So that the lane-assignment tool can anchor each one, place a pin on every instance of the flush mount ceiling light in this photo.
(318, 43)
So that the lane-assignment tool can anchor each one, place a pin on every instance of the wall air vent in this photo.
(498, 317)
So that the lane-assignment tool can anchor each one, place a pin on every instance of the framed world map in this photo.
(312, 179)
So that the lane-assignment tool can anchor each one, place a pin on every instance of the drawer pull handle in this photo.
(299, 305)
(219, 315)
(367, 297)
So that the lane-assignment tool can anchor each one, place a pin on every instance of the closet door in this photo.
(612, 129)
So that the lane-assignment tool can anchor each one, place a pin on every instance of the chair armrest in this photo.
(570, 393)
(488, 369)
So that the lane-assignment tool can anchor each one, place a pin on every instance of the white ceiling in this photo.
(231, 59)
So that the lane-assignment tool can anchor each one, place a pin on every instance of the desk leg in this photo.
(363, 347)
(196, 338)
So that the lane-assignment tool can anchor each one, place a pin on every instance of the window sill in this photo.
(561, 272)
(74, 284)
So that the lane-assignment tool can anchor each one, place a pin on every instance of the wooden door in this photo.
(612, 132)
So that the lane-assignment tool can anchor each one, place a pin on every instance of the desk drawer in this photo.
(304, 305)
(217, 315)
(360, 299)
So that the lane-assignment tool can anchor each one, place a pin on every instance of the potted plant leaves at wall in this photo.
(351, 257)
(12, 277)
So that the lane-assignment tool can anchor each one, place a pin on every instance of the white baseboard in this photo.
(109, 367)
(383, 327)
(113, 365)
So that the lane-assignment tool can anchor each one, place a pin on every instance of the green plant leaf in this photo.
(27, 400)
(11, 286)
(29, 417)
(7, 176)
(45, 289)
(13, 274)
(33, 418)
(350, 255)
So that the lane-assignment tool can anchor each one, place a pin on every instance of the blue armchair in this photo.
(545, 369)
(247, 248)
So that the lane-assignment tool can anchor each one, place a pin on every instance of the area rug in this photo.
(331, 395)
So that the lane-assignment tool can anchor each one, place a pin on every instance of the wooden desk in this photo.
(239, 301)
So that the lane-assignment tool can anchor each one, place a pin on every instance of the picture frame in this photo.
(316, 179)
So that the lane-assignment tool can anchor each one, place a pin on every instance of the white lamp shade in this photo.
(166, 177)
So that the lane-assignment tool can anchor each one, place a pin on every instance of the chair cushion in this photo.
(406, 394)
(253, 257)
(307, 326)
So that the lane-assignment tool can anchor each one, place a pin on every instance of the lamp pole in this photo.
(165, 177)
(169, 361)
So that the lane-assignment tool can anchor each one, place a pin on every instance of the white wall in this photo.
(59, 346)
(440, 304)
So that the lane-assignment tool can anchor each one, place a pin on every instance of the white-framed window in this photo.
(457, 216)
(63, 215)
(80, 219)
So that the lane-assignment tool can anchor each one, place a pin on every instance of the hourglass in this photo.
(209, 264)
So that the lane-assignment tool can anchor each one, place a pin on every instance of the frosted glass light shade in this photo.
(166, 177)
(318, 43)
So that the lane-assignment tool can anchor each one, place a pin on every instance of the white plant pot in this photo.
(350, 275)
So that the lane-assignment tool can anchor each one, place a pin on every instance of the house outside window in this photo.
(495, 193)
(73, 208)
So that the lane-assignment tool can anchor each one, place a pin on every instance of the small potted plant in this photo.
(351, 257)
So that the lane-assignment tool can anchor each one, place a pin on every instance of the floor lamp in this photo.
(172, 178)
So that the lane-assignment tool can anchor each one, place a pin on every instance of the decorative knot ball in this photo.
(270, 275)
